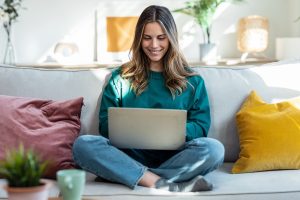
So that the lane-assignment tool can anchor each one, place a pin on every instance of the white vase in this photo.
(287, 48)
(208, 52)
(9, 54)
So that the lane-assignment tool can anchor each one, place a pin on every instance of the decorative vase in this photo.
(208, 52)
(9, 54)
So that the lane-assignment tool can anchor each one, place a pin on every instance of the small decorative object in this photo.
(252, 35)
(203, 12)
(8, 15)
(23, 171)
(66, 52)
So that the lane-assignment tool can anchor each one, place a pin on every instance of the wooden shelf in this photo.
(234, 62)
(69, 66)
(221, 62)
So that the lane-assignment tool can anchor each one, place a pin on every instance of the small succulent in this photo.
(22, 168)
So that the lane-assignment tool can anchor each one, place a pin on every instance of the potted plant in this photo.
(23, 171)
(203, 12)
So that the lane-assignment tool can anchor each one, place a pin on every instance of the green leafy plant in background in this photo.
(203, 12)
(22, 168)
(9, 13)
(9, 10)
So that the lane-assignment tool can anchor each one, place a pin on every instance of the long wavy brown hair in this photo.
(175, 66)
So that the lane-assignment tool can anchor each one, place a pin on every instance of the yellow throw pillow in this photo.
(269, 135)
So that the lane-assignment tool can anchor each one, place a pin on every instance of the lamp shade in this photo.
(252, 34)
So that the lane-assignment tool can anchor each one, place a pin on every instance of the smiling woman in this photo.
(157, 77)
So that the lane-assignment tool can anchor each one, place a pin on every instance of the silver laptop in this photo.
(143, 128)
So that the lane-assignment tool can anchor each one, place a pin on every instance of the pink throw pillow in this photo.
(48, 127)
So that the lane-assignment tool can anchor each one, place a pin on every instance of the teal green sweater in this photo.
(117, 93)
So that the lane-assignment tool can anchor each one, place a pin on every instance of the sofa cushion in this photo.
(48, 127)
(243, 186)
(269, 135)
(275, 185)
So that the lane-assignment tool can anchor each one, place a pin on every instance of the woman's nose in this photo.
(154, 43)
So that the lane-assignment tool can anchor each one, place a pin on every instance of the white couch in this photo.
(227, 89)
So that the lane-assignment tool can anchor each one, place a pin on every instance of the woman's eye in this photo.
(162, 37)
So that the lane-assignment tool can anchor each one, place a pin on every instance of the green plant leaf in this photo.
(22, 168)
(203, 12)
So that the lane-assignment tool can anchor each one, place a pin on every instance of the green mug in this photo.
(71, 183)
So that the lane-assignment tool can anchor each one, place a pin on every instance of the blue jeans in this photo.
(127, 166)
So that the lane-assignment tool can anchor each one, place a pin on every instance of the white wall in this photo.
(46, 22)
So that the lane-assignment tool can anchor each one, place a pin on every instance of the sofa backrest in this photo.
(227, 89)
(58, 84)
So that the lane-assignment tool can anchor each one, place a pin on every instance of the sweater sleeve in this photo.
(198, 119)
(110, 98)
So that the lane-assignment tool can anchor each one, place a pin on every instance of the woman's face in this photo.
(155, 42)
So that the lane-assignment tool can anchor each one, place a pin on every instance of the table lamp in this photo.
(252, 35)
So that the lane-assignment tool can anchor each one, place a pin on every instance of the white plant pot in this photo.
(287, 48)
(208, 52)
(29, 193)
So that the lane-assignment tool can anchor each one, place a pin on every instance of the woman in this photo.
(157, 76)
